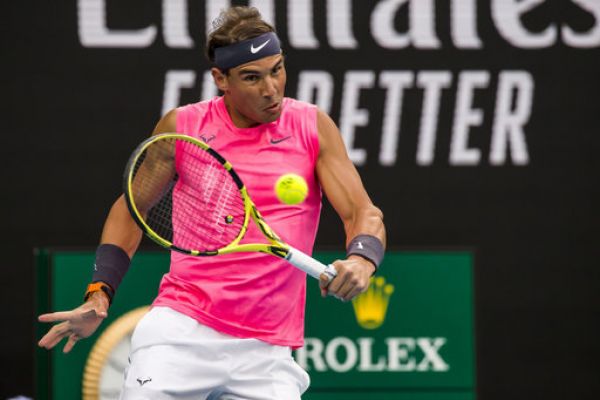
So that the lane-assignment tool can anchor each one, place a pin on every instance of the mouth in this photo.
(273, 107)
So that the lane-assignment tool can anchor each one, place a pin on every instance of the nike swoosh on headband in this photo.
(236, 54)
(255, 50)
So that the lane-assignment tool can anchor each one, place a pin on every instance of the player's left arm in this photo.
(344, 190)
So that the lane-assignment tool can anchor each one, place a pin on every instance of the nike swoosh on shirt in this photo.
(275, 141)
(255, 50)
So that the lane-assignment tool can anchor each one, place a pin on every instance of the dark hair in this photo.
(234, 25)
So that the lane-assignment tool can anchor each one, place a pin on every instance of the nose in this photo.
(269, 88)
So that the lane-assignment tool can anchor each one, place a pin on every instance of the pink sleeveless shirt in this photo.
(252, 295)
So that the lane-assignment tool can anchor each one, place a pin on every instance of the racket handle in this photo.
(309, 265)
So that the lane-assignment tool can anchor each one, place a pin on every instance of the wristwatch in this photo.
(106, 363)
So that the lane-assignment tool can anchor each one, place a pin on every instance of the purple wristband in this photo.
(111, 265)
(368, 247)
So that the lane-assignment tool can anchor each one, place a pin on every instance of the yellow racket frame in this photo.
(275, 246)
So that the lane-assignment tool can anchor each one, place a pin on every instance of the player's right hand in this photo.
(75, 324)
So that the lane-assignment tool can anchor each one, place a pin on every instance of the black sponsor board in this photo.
(471, 123)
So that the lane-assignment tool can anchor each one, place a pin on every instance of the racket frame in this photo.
(276, 247)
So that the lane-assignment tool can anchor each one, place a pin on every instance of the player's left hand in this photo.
(353, 277)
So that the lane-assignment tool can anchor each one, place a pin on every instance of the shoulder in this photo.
(294, 106)
(302, 109)
(300, 117)
(188, 117)
(295, 103)
(198, 107)
(176, 119)
(298, 113)
(167, 124)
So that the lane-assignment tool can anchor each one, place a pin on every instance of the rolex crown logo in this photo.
(371, 306)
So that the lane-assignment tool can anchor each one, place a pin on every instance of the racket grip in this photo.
(309, 265)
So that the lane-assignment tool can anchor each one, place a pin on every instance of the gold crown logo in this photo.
(371, 306)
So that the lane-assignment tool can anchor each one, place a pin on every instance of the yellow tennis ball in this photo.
(291, 189)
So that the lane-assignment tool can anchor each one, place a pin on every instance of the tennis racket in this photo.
(186, 197)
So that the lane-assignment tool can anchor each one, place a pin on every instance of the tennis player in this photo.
(224, 327)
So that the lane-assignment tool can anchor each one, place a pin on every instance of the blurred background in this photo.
(474, 126)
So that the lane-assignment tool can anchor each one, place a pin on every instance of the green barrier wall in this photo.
(409, 337)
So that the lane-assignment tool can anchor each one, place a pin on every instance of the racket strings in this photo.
(212, 210)
(204, 231)
(187, 196)
(161, 215)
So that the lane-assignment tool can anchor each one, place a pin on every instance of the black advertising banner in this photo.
(473, 124)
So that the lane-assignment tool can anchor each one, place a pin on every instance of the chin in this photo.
(270, 118)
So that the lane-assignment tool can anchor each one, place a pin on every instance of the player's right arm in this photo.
(119, 230)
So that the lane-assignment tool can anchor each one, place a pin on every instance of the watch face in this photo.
(105, 367)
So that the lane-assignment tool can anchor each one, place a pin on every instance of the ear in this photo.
(220, 79)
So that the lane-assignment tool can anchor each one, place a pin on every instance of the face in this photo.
(253, 91)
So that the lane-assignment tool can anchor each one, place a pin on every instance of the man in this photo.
(223, 327)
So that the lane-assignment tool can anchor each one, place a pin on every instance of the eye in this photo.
(251, 78)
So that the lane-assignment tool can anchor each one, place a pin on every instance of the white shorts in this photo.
(173, 356)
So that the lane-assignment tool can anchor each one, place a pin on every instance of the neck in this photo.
(238, 119)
